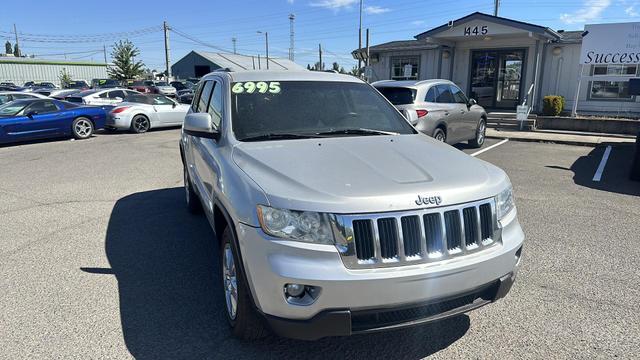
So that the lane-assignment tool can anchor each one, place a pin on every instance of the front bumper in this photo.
(346, 294)
(344, 322)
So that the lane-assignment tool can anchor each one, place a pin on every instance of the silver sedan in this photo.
(140, 112)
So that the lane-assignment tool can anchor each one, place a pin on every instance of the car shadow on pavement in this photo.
(615, 177)
(171, 307)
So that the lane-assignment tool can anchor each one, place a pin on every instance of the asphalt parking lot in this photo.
(100, 259)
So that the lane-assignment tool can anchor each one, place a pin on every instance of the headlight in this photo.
(504, 202)
(303, 226)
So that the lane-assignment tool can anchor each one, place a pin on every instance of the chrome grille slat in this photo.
(418, 236)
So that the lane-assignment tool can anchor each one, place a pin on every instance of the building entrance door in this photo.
(496, 77)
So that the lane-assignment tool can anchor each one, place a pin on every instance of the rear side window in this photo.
(444, 94)
(398, 95)
(431, 95)
(203, 101)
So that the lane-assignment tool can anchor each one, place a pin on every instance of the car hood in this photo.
(166, 88)
(366, 173)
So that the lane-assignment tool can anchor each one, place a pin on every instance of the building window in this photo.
(611, 89)
(604, 90)
(405, 68)
(614, 70)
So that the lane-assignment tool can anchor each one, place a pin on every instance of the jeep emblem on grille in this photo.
(428, 200)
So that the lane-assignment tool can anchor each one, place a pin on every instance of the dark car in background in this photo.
(104, 83)
(31, 119)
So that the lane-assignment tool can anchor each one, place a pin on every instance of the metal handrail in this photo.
(526, 97)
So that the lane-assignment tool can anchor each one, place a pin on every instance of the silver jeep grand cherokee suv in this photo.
(334, 215)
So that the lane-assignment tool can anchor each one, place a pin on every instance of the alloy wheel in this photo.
(83, 128)
(230, 282)
(481, 132)
(141, 124)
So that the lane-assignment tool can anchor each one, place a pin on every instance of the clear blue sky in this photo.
(80, 26)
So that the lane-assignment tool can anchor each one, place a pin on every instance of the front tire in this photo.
(140, 124)
(82, 128)
(243, 319)
(478, 141)
(193, 202)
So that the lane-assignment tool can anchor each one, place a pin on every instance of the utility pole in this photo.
(266, 45)
(320, 67)
(367, 45)
(233, 40)
(496, 6)
(104, 50)
(15, 31)
(166, 49)
(291, 43)
(360, 37)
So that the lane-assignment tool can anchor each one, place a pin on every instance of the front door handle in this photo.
(446, 113)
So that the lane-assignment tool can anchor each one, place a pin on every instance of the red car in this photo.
(144, 86)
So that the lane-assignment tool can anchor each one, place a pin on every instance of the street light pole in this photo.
(360, 36)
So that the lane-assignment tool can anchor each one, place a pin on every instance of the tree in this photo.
(354, 71)
(342, 71)
(65, 78)
(317, 66)
(335, 67)
(124, 64)
(309, 67)
(8, 48)
(16, 51)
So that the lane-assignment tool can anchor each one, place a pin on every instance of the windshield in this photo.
(398, 95)
(13, 108)
(310, 107)
(162, 83)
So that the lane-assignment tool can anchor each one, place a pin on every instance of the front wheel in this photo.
(82, 128)
(478, 141)
(243, 319)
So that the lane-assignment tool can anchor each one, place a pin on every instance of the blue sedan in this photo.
(30, 119)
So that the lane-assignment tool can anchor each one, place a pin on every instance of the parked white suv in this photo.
(438, 108)
(334, 216)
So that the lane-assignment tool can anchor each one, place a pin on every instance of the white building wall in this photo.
(21, 72)
(561, 73)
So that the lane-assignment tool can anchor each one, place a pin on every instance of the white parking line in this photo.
(603, 163)
(489, 148)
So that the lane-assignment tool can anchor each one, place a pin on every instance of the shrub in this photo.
(552, 105)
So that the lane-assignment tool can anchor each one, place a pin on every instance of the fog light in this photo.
(294, 290)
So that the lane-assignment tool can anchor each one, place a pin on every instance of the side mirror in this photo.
(30, 114)
(200, 125)
(174, 104)
(472, 102)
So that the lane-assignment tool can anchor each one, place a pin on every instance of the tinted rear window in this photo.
(74, 99)
(398, 95)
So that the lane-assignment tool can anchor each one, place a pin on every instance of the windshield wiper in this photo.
(359, 131)
(279, 136)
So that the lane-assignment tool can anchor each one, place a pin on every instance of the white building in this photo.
(22, 69)
(501, 62)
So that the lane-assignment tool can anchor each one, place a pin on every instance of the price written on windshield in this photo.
(262, 87)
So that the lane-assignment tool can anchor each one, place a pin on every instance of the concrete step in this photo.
(506, 115)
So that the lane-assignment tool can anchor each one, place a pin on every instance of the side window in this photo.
(196, 97)
(116, 94)
(215, 105)
(431, 95)
(104, 95)
(444, 94)
(42, 107)
(458, 96)
(203, 101)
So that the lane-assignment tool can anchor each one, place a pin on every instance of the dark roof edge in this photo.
(497, 19)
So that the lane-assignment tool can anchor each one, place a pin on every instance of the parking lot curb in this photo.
(565, 139)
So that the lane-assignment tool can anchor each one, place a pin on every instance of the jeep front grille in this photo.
(418, 236)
